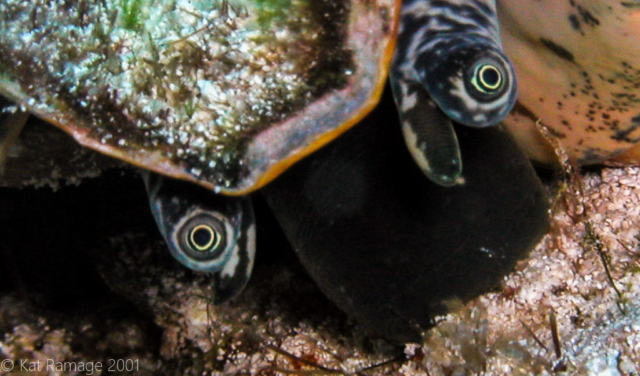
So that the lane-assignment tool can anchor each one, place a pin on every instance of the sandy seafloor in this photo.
(558, 312)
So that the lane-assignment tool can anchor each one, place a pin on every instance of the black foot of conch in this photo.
(390, 247)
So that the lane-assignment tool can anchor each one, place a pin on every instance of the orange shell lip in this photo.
(366, 101)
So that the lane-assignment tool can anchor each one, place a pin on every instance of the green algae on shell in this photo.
(226, 94)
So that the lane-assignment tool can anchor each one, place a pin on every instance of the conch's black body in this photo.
(388, 246)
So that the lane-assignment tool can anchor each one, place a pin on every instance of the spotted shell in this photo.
(225, 94)
(578, 68)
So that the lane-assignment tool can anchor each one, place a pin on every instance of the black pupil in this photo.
(490, 76)
(202, 237)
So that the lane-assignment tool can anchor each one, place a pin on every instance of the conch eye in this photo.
(487, 78)
(203, 238)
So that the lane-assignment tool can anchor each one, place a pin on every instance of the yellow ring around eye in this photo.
(212, 244)
(484, 85)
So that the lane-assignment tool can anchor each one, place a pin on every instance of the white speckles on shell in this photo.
(239, 81)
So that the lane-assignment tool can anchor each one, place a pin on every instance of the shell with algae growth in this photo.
(226, 94)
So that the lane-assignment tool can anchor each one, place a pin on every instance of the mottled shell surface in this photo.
(578, 69)
(223, 93)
